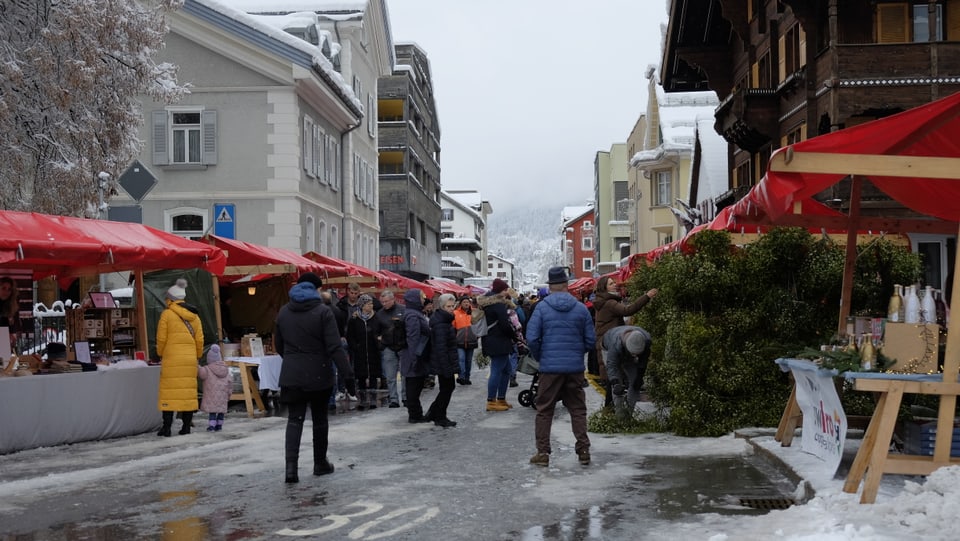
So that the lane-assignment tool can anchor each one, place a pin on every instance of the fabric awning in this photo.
(391, 279)
(67, 247)
(244, 258)
(339, 271)
(443, 286)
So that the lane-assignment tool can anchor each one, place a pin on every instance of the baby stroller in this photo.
(531, 367)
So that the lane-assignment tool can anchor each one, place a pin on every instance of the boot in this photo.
(187, 417)
(167, 423)
(503, 402)
(291, 473)
(495, 405)
(267, 403)
(323, 467)
(372, 399)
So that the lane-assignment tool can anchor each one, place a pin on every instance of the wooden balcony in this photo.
(748, 117)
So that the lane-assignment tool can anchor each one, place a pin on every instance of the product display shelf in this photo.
(109, 331)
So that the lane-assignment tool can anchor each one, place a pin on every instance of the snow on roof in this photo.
(572, 213)
(469, 198)
(226, 7)
(713, 160)
(287, 6)
(679, 112)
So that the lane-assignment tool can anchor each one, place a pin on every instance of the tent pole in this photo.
(851, 255)
(221, 334)
(142, 337)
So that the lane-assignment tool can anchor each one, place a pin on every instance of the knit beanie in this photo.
(213, 355)
(178, 291)
(364, 299)
(636, 342)
(498, 286)
(312, 278)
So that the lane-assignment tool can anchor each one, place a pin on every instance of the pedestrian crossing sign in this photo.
(224, 221)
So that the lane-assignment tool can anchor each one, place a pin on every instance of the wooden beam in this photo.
(875, 224)
(846, 292)
(243, 270)
(871, 165)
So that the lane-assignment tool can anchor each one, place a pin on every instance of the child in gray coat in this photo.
(217, 386)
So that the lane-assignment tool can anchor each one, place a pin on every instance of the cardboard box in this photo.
(121, 322)
(115, 313)
(93, 333)
(913, 346)
(93, 324)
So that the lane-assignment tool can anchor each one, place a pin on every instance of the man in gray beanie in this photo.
(628, 350)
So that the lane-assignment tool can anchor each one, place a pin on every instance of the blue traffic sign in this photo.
(225, 220)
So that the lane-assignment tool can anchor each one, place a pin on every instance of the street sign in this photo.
(137, 181)
(224, 220)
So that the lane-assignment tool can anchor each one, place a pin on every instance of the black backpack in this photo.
(397, 333)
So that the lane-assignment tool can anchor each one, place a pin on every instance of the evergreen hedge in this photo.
(724, 314)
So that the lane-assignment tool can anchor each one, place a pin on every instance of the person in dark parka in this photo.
(307, 338)
(444, 358)
(497, 344)
(418, 336)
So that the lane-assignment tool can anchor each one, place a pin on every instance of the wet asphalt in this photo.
(393, 480)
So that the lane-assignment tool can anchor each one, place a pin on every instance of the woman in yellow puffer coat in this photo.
(179, 345)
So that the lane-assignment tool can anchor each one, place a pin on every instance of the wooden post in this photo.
(851, 259)
(141, 313)
(216, 309)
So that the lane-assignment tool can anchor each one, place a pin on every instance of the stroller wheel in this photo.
(526, 398)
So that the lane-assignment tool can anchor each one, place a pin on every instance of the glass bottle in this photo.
(851, 343)
(911, 305)
(928, 307)
(941, 308)
(893, 307)
(868, 354)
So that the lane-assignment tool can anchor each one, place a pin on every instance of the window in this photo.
(793, 53)
(586, 243)
(371, 116)
(921, 23)
(761, 72)
(187, 222)
(307, 146)
(662, 189)
(321, 236)
(334, 241)
(587, 264)
(587, 225)
(309, 234)
(184, 136)
(903, 22)
(621, 201)
(446, 215)
(743, 175)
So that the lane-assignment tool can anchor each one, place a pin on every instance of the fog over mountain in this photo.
(530, 237)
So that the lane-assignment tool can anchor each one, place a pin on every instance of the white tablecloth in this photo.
(268, 369)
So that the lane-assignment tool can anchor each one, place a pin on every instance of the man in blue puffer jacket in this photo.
(559, 335)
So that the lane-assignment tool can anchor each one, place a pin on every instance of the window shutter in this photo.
(892, 23)
(953, 20)
(802, 53)
(161, 155)
(307, 145)
(210, 137)
(755, 75)
(782, 58)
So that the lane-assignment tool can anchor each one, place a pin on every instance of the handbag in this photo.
(466, 338)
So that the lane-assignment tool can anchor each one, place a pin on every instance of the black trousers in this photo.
(414, 388)
(297, 412)
(438, 410)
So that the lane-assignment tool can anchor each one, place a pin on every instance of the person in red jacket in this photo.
(466, 339)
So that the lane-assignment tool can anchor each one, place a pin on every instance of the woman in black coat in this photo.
(444, 360)
(365, 351)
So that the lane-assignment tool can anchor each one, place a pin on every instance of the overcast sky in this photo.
(529, 90)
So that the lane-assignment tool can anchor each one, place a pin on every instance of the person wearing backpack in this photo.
(414, 359)
(497, 344)
(392, 338)
(466, 338)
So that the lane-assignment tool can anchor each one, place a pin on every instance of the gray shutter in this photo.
(210, 137)
(161, 155)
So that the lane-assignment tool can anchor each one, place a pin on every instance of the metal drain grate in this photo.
(767, 503)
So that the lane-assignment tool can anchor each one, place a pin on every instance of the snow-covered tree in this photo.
(70, 75)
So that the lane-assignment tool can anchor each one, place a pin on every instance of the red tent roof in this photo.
(443, 286)
(244, 258)
(392, 279)
(337, 268)
(67, 246)
(931, 130)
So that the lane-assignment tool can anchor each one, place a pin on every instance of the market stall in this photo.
(80, 406)
(914, 158)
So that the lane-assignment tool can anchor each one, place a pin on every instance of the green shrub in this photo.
(724, 314)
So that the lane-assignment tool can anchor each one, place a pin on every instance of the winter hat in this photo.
(498, 286)
(213, 355)
(557, 275)
(178, 291)
(364, 299)
(636, 341)
(311, 278)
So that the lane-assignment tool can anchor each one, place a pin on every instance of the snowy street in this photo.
(396, 480)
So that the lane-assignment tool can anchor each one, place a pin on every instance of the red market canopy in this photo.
(443, 286)
(391, 279)
(338, 271)
(244, 258)
(68, 247)
(581, 287)
(913, 157)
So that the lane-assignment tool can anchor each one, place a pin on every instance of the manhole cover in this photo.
(767, 503)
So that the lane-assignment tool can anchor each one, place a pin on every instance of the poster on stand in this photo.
(824, 422)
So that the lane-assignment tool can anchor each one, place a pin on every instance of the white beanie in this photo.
(178, 291)
(213, 354)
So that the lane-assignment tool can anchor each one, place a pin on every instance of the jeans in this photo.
(499, 377)
(465, 356)
(390, 363)
(514, 360)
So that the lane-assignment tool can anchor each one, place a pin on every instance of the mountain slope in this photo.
(530, 237)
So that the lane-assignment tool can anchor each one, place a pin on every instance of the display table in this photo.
(873, 458)
(53, 409)
(269, 372)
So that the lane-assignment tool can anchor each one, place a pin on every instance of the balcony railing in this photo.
(748, 117)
